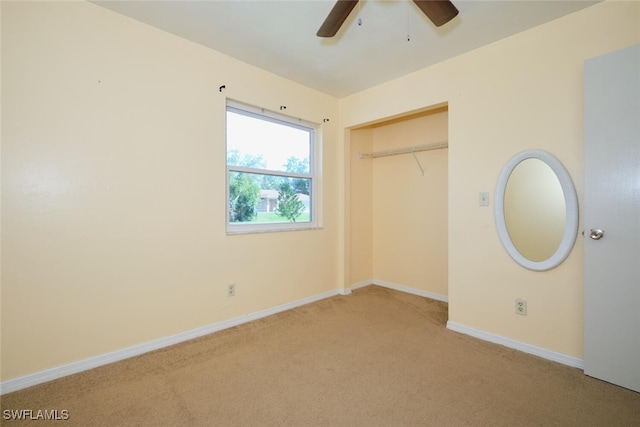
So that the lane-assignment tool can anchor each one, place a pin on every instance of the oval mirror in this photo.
(536, 210)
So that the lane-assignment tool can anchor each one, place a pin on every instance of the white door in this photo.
(612, 218)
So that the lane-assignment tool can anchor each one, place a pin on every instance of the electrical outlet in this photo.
(231, 290)
(521, 307)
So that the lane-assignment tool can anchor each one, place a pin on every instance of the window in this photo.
(271, 181)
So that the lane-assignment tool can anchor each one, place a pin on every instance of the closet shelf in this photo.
(405, 150)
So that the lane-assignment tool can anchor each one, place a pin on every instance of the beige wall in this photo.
(399, 217)
(519, 93)
(113, 182)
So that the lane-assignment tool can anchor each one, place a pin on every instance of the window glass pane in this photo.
(256, 198)
(266, 144)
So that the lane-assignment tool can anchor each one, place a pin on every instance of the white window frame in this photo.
(314, 199)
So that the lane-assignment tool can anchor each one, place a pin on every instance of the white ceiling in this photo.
(279, 35)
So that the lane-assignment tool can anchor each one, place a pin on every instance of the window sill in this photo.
(261, 230)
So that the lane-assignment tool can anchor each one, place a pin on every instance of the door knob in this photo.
(596, 233)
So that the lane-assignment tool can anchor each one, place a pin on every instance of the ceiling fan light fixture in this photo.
(438, 11)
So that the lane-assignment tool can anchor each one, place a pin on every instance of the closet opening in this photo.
(398, 203)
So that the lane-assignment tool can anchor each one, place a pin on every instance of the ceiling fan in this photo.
(438, 11)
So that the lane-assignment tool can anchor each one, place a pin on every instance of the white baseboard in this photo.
(36, 378)
(400, 288)
(518, 345)
(362, 284)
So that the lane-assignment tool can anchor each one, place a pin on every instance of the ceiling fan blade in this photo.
(438, 11)
(336, 18)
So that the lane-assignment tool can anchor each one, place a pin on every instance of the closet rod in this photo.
(405, 150)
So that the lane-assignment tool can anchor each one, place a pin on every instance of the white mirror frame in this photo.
(571, 205)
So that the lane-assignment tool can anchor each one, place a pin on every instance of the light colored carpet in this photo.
(374, 358)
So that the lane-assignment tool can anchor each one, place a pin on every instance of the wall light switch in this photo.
(483, 199)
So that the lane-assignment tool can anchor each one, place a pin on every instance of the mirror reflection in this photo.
(534, 210)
